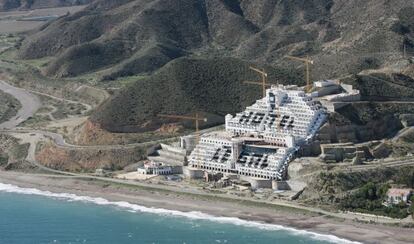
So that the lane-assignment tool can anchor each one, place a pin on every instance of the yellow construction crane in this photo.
(307, 62)
(196, 119)
(263, 83)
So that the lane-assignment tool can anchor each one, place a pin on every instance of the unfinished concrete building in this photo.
(260, 141)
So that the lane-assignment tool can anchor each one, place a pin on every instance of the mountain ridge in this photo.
(181, 44)
(341, 36)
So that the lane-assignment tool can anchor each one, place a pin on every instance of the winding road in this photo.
(30, 104)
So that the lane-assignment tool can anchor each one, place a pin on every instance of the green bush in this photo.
(369, 199)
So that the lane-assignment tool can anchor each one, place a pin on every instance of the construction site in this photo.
(297, 114)
(255, 147)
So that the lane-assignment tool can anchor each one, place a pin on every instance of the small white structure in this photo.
(334, 97)
(155, 168)
(344, 97)
(397, 195)
(100, 172)
(325, 83)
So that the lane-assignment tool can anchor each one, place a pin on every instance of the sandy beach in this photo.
(350, 230)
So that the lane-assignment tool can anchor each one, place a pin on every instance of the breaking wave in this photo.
(191, 215)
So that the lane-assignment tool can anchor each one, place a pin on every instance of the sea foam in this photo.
(191, 215)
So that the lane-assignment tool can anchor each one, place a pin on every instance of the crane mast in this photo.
(307, 62)
(263, 83)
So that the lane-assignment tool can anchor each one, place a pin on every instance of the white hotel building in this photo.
(261, 141)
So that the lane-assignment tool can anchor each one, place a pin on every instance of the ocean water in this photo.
(34, 216)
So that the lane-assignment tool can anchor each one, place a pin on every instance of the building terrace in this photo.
(260, 141)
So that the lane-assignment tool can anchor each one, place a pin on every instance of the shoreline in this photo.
(169, 201)
(134, 208)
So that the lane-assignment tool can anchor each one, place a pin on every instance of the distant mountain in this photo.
(199, 51)
(6, 5)
(127, 37)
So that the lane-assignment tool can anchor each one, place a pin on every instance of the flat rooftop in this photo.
(222, 134)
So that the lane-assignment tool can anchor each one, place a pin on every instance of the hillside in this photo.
(6, 5)
(215, 87)
(358, 191)
(88, 160)
(136, 36)
(385, 86)
(195, 55)
(210, 86)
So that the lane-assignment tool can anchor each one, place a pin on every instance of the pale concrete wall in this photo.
(193, 173)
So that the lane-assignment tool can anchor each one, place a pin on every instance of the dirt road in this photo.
(30, 104)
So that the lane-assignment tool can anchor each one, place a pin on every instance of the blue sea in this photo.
(34, 216)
